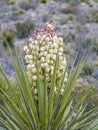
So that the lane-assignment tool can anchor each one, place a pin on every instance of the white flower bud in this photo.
(34, 84)
(30, 61)
(42, 59)
(55, 50)
(34, 78)
(33, 65)
(35, 91)
(51, 72)
(36, 42)
(42, 65)
(60, 39)
(64, 62)
(51, 62)
(55, 45)
(51, 51)
(48, 69)
(55, 89)
(25, 48)
(62, 91)
(45, 64)
(30, 40)
(38, 37)
(61, 67)
(30, 57)
(34, 70)
(60, 58)
(29, 66)
(61, 49)
(52, 68)
(42, 49)
(60, 53)
(65, 79)
(54, 57)
(41, 54)
(31, 46)
(45, 53)
(26, 57)
(48, 56)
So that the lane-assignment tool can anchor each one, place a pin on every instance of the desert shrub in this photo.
(95, 16)
(26, 5)
(91, 98)
(87, 68)
(71, 16)
(11, 1)
(24, 28)
(69, 9)
(88, 17)
(18, 12)
(95, 46)
(44, 1)
(87, 42)
(7, 38)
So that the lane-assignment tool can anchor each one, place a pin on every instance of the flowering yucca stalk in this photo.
(44, 47)
(41, 104)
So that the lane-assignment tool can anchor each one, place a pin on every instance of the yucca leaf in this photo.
(5, 125)
(14, 107)
(68, 89)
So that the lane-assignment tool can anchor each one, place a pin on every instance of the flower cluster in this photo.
(45, 45)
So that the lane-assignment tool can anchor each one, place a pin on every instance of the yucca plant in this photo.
(43, 103)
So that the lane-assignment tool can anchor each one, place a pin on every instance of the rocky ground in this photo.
(76, 22)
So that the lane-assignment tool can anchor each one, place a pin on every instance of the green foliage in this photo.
(7, 38)
(87, 68)
(51, 111)
(24, 29)
(95, 47)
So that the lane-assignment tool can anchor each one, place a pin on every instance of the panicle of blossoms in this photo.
(45, 44)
